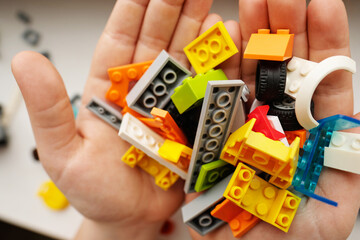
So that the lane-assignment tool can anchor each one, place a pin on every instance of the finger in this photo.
(328, 33)
(158, 27)
(253, 15)
(117, 43)
(188, 27)
(210, 20)
(231, 67)
(290, 15)
(49, 109)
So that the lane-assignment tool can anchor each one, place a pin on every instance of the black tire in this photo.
(285, 110)
(270, 80)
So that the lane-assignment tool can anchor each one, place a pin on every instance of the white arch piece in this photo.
(312, 80)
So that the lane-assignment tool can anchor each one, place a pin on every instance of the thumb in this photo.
(49, 109)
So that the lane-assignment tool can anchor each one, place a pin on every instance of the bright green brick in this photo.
(212, 173)
(193, 89)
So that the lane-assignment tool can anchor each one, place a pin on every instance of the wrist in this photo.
(90, 229)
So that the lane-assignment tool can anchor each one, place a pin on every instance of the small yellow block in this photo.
(164, 178)
(272, 205)
(52, 196)
(270, 156)
(211, 48)
(266, 46)
(176, 152)
(239, 183)
(235, 142)
(133, 156)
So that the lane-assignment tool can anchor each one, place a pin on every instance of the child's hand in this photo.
(320, 31)
(84, 158)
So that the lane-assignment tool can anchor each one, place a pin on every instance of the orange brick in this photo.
(266, 46)
(239, 220)
(164, 124)
(291, 135)
(121, 77)
(126, 109)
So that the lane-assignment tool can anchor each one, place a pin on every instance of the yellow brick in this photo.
(176, 152)
(164, 178)
(239, 183)
(235, 142)
(211, 48)
(257, 150)
(272, 205)
(132, 156)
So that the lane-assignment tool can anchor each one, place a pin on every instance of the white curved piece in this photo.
(310, 83)
(296, 71)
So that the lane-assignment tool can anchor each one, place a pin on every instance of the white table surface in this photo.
(69, 31)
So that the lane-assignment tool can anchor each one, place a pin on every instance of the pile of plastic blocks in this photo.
(196, 128)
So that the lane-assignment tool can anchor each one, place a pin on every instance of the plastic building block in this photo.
(311, 162)
(240, 116)
(266, 46)
(270, 156)
(120, 81)
(35, 154)
(245, 94)
(52, 196)
(239, 220)
(275, 123)
(256, 103)
(311, 81)
(138, 134)
(193, 89)
(239, 183)
(164, 124)
(270, 204)
(105, 111)
(285, 110)
(176, 152)
(291, 135)
(133, 156)
(343, 152)
(196, 213)
(263, 124)
(217, 115)
(31, 37)
(235, 141)
(164, 178)
(157, 84)
(126, 110)
(270, 80)
(188, 121)
(211, 48)
(23, 17)
(46, 54)
(212, 173)
(75, 104)
(297, 70)
(3, 132)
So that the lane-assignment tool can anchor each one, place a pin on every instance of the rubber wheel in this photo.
(285, 110)
(270, 80)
